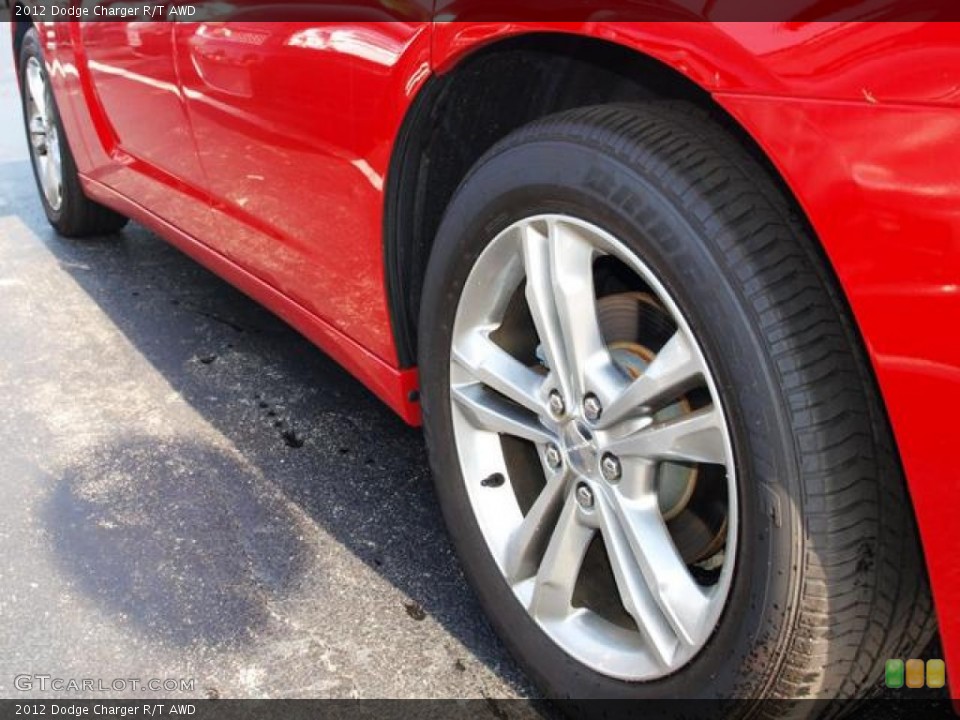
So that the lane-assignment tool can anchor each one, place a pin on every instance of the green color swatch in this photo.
(893, 673)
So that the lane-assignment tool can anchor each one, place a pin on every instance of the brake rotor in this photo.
(633, 323)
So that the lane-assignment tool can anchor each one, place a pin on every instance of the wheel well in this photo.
(458, 116)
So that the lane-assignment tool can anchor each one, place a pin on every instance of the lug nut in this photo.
(610, 467)
(557, 406)
(584, 496)
(592, 409)
(553, 456)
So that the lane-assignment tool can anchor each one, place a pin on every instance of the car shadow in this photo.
(190, 539)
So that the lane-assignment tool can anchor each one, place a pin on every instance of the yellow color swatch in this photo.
(936, 673)
(914, 673)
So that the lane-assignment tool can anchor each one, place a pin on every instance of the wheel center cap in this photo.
(580, 447)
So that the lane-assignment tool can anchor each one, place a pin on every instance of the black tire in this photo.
(830, 581)
(77, 215)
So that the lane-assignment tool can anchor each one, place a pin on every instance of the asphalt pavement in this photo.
(189, 489)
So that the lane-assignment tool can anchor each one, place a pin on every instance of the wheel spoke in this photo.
(539, 294)
(560, 567)
(563, 305)
(488, 411)
(571, 265)
(499, 370)
(527, 541)
(37, 88)
(696, 437)
(653, 580)
(53, 145)
(676, 368)
(50, 179)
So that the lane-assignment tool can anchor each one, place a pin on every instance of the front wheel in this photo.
(655, 439)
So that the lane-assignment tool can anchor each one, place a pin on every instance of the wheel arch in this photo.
(480, 96)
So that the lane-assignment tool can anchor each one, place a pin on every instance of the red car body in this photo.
(201, 131)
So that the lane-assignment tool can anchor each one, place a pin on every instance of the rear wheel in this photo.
(70, 212)
(655, 439)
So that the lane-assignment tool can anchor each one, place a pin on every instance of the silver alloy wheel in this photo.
(44, 138)
(612, 477)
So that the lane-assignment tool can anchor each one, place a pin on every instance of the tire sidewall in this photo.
(559, 176)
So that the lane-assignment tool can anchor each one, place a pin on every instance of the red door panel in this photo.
(294, 123)
(132, 68)
(131, 76)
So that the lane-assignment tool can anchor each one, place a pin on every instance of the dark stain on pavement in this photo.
(182, 539)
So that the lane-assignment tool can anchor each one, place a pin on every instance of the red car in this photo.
(676, 303)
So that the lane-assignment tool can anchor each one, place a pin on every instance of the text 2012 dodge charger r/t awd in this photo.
(675, 302)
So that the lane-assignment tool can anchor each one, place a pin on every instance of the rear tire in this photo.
(829, 581)
(68, 209)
